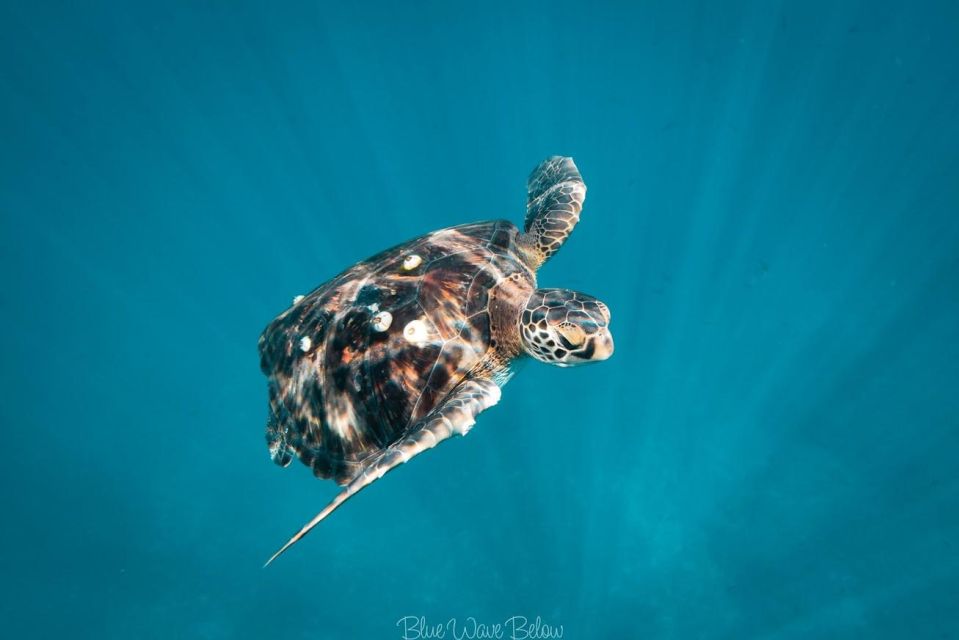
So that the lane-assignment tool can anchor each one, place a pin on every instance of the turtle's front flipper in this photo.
(454, 416)
(555, 197)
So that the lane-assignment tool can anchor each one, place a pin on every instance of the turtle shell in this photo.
(346, 380)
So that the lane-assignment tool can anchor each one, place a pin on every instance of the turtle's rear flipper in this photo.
(454, 416)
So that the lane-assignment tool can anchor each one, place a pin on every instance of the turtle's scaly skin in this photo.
(341, 391)
(556, 195)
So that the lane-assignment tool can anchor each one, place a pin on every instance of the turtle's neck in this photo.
(506, 303)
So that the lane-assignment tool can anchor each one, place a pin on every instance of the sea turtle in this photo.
(403, 350)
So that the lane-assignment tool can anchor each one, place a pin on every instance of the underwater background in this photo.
(773, 218)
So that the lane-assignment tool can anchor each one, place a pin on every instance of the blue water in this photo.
(773, 218)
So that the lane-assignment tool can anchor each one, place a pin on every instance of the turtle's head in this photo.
(565, 328)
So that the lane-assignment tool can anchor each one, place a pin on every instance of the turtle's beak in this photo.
(602, 346)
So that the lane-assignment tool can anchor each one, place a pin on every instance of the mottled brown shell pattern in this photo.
(353, 364)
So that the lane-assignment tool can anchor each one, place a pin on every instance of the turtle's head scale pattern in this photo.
(566, 328)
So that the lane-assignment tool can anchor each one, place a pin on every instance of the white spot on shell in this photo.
(416, 331)
(382, 321)
(411, 262)
(298, 299)
(305, 343)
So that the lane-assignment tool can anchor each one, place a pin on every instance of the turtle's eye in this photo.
(572, 335)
